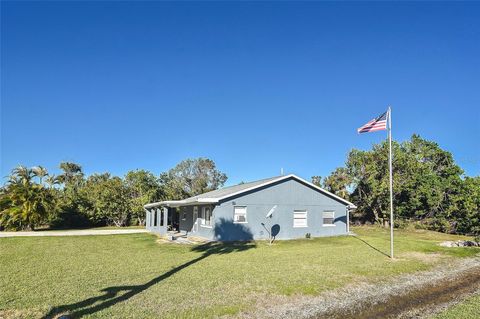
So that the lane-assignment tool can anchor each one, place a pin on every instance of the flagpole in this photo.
(391, 178)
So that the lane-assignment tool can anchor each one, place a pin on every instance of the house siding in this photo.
(289, 195)
(205, 231)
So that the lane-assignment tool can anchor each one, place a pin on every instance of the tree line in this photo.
(32, 197)
(430, 190)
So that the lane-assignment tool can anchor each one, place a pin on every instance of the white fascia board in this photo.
(178, 203)
(207, 200)
(169, 203)
(151, 205)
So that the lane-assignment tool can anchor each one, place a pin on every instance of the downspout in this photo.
(348, 220)
(349, 209)
(147, 218)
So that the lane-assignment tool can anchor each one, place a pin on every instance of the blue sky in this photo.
(117, 86)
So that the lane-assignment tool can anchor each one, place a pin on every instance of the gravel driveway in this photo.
(76, 232)
(417, 295)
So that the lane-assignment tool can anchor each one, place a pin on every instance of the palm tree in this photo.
(24, 203)
(70, 172)
(40, 172)
(52, 180)
(21, 174)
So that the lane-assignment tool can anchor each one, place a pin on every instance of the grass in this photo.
(133, 276)
(468, 309)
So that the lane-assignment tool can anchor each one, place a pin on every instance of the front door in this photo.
(195, 219)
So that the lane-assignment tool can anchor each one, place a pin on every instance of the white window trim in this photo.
(306, 218)
(203, 219)
(246, 218)
(329, 225)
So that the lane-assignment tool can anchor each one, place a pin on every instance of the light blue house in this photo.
(282, 207)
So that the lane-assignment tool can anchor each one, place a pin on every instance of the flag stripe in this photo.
(377, 124)
(373, 130)
(373, 125)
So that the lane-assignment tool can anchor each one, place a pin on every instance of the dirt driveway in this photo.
(417, 295)
(76, 232)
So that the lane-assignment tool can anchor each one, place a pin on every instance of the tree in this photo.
(105, 200)
(70, 200)
(191, 177)
(24, 203)
(51, 180)
(317, 180)
(143, 187)
(464, 213)
(40, 172)
(369, 175)
(21, 174)
(338, 182)
(427, 183)
(72, 174)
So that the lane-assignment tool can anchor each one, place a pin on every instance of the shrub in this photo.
(400, 223)
(420, 225)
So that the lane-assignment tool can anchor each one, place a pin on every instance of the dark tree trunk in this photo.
(386, 223)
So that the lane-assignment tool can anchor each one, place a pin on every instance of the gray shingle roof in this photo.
(229, 190)
(219, 194)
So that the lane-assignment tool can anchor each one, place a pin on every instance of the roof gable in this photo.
(236, 190)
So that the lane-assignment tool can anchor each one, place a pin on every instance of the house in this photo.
(282, 207)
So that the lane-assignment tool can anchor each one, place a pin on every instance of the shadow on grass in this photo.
(373, 247)
(113, 295)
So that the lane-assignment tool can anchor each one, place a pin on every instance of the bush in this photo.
(70, 219)
(400, 224)
(420, 225)
(439, 224)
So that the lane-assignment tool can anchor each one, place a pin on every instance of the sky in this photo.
(255, 86)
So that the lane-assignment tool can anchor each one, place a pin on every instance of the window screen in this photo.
(328, 218)
(300, 218)
(207, 216)
(240, 214)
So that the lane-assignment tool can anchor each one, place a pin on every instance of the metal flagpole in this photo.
(391, 178)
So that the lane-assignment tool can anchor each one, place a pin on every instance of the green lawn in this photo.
(469, 309)
(133, 276)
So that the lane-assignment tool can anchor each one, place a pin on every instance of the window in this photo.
(328, 218)
(155, 218)
(184, 213)
(207, 216)
(240, 214)
(300, 218)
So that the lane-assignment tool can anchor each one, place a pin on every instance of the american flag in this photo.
(377, 124)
